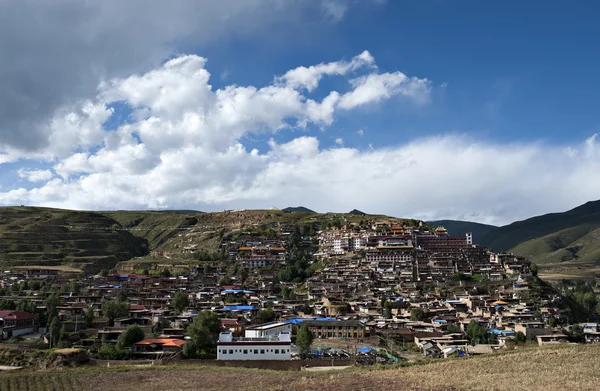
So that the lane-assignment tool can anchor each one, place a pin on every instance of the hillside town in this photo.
(366, 292)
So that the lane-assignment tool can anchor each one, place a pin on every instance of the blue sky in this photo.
(502, 128)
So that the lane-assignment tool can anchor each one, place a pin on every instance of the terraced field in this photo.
(52, 237)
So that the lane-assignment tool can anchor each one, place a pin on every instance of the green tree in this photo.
(453, 328)
(54, 332)
(575, 334)
(265, 316)
(204, 331)
(73, 287)
(130, 336)
(476, 333)
(243, 274)
(520, 338)
(388, 309)
(304, 339)
(223, 281)
(104, 273)
(190, 350)
(51, 304)
(417, 314)
(180, 301)
(112, 309)
(534, 269)
(89, 317)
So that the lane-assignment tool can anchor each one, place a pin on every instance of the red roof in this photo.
(136, 307)
(169, 342)
(16, 315)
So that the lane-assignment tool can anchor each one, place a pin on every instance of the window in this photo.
(245, 351)
(224, 351)
(255, 351)
(230, 351)
(262, 351)
(276, 351)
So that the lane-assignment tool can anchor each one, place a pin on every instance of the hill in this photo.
(44, 236)
(356, 212)
(95, 240)
(573, 367)
(298, 209)
(509, 236)
(458, 227)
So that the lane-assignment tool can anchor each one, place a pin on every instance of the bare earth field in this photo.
(555, 368)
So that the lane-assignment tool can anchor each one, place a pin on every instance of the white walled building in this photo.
(269, 348)
(268, 330)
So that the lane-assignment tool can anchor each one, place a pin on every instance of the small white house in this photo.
(266, 348)
(268, 330)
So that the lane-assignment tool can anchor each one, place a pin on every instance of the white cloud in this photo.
(184, 148)
(35, 175)
(376, 87)
(54, 53)
(309, 77)
(339, 141)
(360, 132)
(334, 9)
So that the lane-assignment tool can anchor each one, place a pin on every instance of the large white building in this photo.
(267, 348)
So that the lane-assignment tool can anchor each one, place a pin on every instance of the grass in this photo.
(551, 368)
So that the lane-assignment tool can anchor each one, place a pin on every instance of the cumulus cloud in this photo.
(35, 175)
(375, 87)
(183, 147)
(53, 54)
(309, 77)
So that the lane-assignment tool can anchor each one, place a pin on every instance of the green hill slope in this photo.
(458, 227)
(96, 240)
(583, 219)
(43, 236)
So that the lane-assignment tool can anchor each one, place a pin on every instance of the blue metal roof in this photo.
(239, 308)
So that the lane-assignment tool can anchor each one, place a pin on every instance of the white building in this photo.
(341, 245)
(268, 348)
(268, 330)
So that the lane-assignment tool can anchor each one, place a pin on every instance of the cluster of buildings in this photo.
(386, 280)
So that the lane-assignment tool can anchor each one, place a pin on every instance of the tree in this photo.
(54, 332)
(242, 274)
(122, 296)
(73, 287)
(130, 336)
(223, 281)
(180, 302)
(388, 309)
(51, 304)
(112, 309)
(476, 333)
(89, 317)
(204, 331)
(265, 316)
(453, 328)
(304, 339)
(520, 338)
(416, 314)
(104, 273)
(190, 350)
(534, 269)
(575, 334)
